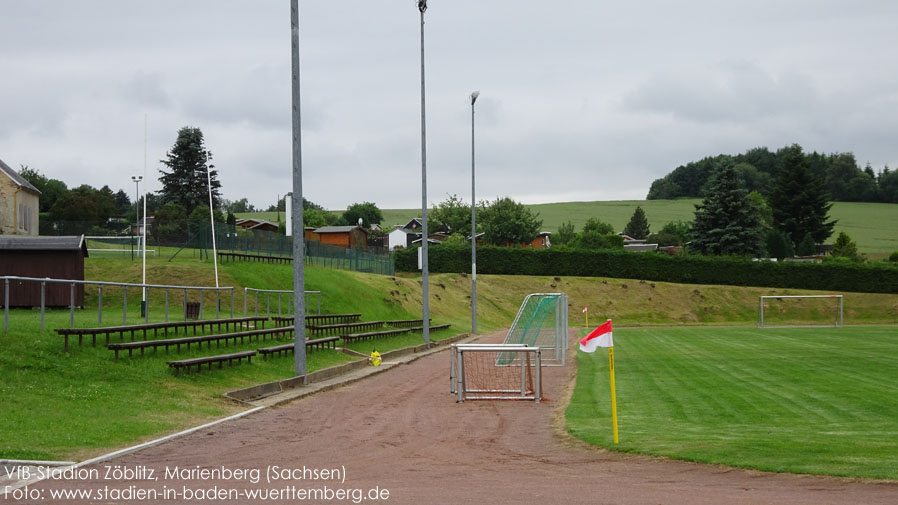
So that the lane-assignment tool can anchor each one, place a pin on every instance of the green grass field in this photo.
(874, 226)
(819, 401)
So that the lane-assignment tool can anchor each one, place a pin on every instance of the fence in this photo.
(100, 284)
(279, 293)
(196, 236)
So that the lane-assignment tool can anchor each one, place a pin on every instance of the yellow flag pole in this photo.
(613, 395)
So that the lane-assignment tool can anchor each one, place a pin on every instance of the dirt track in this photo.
(401, 431)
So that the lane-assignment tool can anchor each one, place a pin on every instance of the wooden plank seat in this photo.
(405, 323)
(343, 329)
(432, 327)
(220, 359)
(218, 338)
(319, 319)
(370, 335)
(236, 322)
(318, 343)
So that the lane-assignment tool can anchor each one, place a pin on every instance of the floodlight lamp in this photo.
(474, 96)
(136, 178)
(422, 5)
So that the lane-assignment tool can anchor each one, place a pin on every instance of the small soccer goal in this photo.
(495, 372)
(801, 311)
(542, 321)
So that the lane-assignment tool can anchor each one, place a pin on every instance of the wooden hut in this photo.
(53, 257)
(354, 237)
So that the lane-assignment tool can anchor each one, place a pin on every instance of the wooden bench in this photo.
(318, 343)
(165, 327)
(405, 323)
(220, 359)
(432, 328)
(255, 257)
(259, 335)
(319, 319)
(373, 334)
(342, 329)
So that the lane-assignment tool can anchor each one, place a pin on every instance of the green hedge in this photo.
(690, 269)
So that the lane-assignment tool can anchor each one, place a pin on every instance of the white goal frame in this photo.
(838, 324)
(458, 384)
(552, 340)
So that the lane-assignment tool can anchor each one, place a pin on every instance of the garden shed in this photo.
(53, 257)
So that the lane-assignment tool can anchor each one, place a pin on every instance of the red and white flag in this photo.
(586, 308)
(599, 337)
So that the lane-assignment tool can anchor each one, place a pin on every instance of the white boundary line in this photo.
(129, 450)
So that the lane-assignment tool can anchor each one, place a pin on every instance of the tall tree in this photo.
(596, 225)
(565, 233)
(638, 227)
(799, 202)
(186, 183)
(726, 222)
(452, 215)
(51, 189)
(366, 211)
(507, 222)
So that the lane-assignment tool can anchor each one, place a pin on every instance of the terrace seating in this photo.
(237, 322)
(405, 323)
(342, 329)
(186, 341)
(220, 359)
(354, 337)
(319, 319)
(318, 343)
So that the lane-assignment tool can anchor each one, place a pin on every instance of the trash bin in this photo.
(192, 310)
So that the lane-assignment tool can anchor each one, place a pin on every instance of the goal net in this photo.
(495, 372)
(800, 311)
(542, 322)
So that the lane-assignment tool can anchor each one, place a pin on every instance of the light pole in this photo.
(212, 222)
(136, 179)
(474, 96)
(422, 6)
(299, 298)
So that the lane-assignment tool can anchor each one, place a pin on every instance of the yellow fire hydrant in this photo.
(375, 358)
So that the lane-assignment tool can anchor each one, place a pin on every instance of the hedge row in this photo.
(834, 276)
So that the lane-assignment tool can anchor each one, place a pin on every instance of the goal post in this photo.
(800, 311)
(495, 372)
(542, 321)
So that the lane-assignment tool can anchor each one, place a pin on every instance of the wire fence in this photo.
(194, 238)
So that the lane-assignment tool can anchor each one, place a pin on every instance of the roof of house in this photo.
(24, 243)
(18, 179)
(339, 229)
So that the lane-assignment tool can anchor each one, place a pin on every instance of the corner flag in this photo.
(599, 337)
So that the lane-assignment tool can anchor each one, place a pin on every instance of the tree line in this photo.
(759, 169)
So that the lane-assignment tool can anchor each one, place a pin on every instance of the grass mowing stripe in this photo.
(793, 400)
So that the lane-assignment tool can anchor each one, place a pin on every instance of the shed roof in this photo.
(23, 243)
(339, 229)
(18, 179)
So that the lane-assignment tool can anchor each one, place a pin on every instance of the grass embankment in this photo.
(816, 401)
(873, 226)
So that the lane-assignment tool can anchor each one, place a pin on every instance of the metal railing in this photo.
(100, 284)
(279, 293)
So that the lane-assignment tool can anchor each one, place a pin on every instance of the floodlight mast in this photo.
(299, 299)
(474, 96)
(422, 7)
(136, 179)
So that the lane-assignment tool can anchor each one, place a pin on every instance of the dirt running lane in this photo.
(402, 432)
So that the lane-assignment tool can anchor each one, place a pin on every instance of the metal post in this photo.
(268, 305)
(299, 310)
(100, 305)
(6, 306)
(125, 305)
(422, 6)
(244, 301)
(257, 303)
(200, 315)
(232, 303)
(166, 305)
(43, 302)
(538, 387)
(72, 305)
(185, 304)
(460, 376)
(279, 305)
(217, 303)
(145, 303)
(474, 96)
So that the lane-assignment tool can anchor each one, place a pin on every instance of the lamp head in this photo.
(422, 5)
(474, 96)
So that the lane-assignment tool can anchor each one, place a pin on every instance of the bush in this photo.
(689, 269)
(893, 257)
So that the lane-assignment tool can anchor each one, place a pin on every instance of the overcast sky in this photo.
(580, 100)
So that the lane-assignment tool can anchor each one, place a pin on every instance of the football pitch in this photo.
(821, 401)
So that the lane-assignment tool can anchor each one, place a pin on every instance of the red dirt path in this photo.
(401, 431)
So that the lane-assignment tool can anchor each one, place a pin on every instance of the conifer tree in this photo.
(799, 201)
(638, 227)
(186, 184)
(726, 223)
